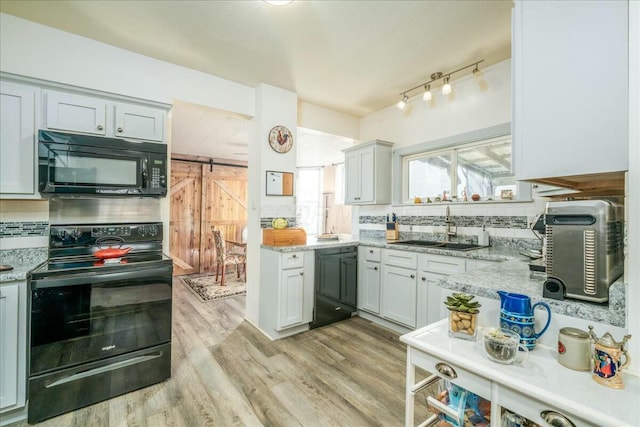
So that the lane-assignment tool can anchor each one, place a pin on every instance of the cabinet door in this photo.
(17, 139)
(328, 269)
(133, 121)
(367, 175)
(76, 113)
(399, 295)
(348, 279)
(574, 114)
(352, 177)
(8, 345)
(291, 298)
(369, 287)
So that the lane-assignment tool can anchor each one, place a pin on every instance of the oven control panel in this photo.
(120, 231)
(86, 235)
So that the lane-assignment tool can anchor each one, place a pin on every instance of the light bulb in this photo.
(403, 102)
(427, 93)
(446, 89)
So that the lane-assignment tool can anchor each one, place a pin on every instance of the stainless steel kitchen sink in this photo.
(442, 245)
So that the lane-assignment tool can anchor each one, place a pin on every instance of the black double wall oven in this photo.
(100, 326)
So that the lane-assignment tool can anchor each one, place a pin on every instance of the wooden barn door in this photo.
(203, 197)
(184, 224)
(225, 208)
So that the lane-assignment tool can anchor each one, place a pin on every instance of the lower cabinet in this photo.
(369, 272)
(286, 292)
(290, 297)
(13, 344)
(399, 287)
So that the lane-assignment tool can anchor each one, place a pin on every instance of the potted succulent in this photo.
(463, 314)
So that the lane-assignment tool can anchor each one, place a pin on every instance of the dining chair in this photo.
(224, 258)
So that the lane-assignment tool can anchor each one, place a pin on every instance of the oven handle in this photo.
(106, 368)
(94, 278)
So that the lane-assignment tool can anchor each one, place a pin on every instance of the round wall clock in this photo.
(280, 139)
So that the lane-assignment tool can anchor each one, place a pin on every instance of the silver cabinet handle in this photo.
(120, 130)
(375, 268)
(338, 308)
(99, 127)
(302, 273)
(413, 276)
(294, 256)
(446, 371)
(556, 419)
(424, 279)
(370, 251)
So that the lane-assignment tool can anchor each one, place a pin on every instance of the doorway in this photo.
(204, 195)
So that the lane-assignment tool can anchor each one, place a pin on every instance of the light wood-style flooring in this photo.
(227, 373)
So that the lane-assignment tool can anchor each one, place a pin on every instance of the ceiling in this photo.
(354, 57)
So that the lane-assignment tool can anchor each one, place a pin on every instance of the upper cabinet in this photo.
(570, 92)
(17, 140)
(75, 113)
(132, 121)
(102, 116)
(368, 173)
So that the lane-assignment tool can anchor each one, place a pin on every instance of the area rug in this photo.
(206, 287)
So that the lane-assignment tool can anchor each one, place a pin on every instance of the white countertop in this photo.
(540, 377)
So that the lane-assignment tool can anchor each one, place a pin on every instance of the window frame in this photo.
(400, 194)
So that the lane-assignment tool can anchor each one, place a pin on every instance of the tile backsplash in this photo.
(24, 229)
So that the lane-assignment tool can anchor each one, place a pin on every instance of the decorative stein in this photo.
(607, 359)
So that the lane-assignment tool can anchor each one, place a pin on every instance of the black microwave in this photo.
(77, 165)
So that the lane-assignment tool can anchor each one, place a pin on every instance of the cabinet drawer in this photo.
(372, 254)
(443, 264)
(463, 378)
(292, 260)
(400, 258)
(532, 409)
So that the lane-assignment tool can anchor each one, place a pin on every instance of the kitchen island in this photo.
(540, 384)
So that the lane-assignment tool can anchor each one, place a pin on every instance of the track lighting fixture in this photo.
(403, 102)
(446, 86)
(427, 93)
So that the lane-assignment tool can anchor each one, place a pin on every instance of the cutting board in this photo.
(284, 237)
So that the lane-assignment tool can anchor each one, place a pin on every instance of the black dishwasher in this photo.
(336, 280)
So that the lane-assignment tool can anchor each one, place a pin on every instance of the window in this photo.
(482, 168)
(309, 204)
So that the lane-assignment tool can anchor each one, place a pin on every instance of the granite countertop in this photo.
(22, 261)
(510, 273)
(514, 276)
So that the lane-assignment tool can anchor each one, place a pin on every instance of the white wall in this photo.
(274, 106)
(328, 121)
(476, 102)
(34, 50)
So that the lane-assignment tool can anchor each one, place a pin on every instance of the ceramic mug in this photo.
(574, 349)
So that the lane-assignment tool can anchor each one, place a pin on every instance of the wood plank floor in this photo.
(227, 373)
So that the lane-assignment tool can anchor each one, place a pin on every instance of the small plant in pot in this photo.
(463, 315)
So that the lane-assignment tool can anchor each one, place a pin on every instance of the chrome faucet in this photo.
(451, 230)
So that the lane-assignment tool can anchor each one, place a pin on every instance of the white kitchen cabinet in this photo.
(532, 390)
(432, 268)
(75, 113)
(570, 88)
(103, 116)
(399, 287)
(368, 173)
(17, 140)
(286, 292)
(369, 272)
(13, 345)
(133, 121)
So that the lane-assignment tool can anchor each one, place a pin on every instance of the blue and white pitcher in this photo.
(517, 315)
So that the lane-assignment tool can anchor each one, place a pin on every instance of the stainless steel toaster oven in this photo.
(585, 249)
